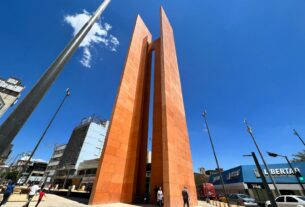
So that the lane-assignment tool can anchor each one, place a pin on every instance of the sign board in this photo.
(281, 173)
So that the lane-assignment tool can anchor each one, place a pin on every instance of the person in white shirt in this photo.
(160, 197)
(33, 191)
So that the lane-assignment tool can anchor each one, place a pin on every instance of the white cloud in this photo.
(98, 34)
(86, 59)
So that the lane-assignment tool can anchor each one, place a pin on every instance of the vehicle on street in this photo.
(242, 200)
(207, 190)
(288, 201)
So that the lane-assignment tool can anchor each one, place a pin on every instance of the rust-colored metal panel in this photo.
(177, 162)
(117, 172)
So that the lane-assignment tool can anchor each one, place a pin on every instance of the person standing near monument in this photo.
(186, 197)
(160, 197)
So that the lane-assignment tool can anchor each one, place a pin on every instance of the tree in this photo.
(200, 179)
(299, 157)
(11, 175)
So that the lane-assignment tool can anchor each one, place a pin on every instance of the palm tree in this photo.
(299, 157)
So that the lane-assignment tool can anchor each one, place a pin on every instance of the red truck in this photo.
(206, 190)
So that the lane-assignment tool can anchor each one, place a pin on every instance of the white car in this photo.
(288, 200)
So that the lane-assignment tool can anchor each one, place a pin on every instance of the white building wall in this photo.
(10, 90)
(93, 143)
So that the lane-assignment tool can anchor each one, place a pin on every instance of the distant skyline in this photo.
(237, 59)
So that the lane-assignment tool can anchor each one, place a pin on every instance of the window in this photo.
(280, 199)
(1, 103)
(233, 197)
(291, 200)
(243, 196)
(81, 172)
(301, 197)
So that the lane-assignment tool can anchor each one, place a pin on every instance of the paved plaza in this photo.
(52, 200)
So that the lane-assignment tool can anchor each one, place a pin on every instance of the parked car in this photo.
(242, 200)
(288, 201)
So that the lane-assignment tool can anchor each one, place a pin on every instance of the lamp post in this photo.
(265, 184)
(204, 114)
(12, 125)
(262, 157)
(298, 135)
(271, 154)
(44, 133)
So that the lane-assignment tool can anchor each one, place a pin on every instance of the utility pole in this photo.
(262, 157)
(298, 135)
(24, 168)
(13, 124)
(265, 184)
(204, 114)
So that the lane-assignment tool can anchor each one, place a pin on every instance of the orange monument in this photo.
(122, 169)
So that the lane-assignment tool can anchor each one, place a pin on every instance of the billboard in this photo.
(281, 173)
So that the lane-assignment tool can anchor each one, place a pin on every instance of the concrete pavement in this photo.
(56, 201)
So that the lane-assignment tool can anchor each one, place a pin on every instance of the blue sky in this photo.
(237, 59)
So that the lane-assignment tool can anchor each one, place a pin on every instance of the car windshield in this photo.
(243, 196)
(301, 197)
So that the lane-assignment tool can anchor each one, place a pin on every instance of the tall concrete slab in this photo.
(177, 162)
(118, 170)
(122, 170)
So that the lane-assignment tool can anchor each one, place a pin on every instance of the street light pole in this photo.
(265, 184)
(13, 124)
(204, 114)
(298, 135)
(271, 154)
(262, 157)
(45, 131)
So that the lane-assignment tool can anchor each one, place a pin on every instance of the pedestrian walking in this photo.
(49, 188)
(8, 192)
(186, 197)
(41, 194)
(33, 191)
(160, 197)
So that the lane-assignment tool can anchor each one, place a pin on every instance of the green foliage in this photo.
(200, 178)
(11, 175)
(299, 157)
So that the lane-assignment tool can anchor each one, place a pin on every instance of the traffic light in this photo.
(299, 176)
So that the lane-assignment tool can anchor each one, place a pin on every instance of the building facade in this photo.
(10, 91)
(213, 172)
(246, 179)
(34, 173)
(85, 143)
(54, 163)
(85, 175)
